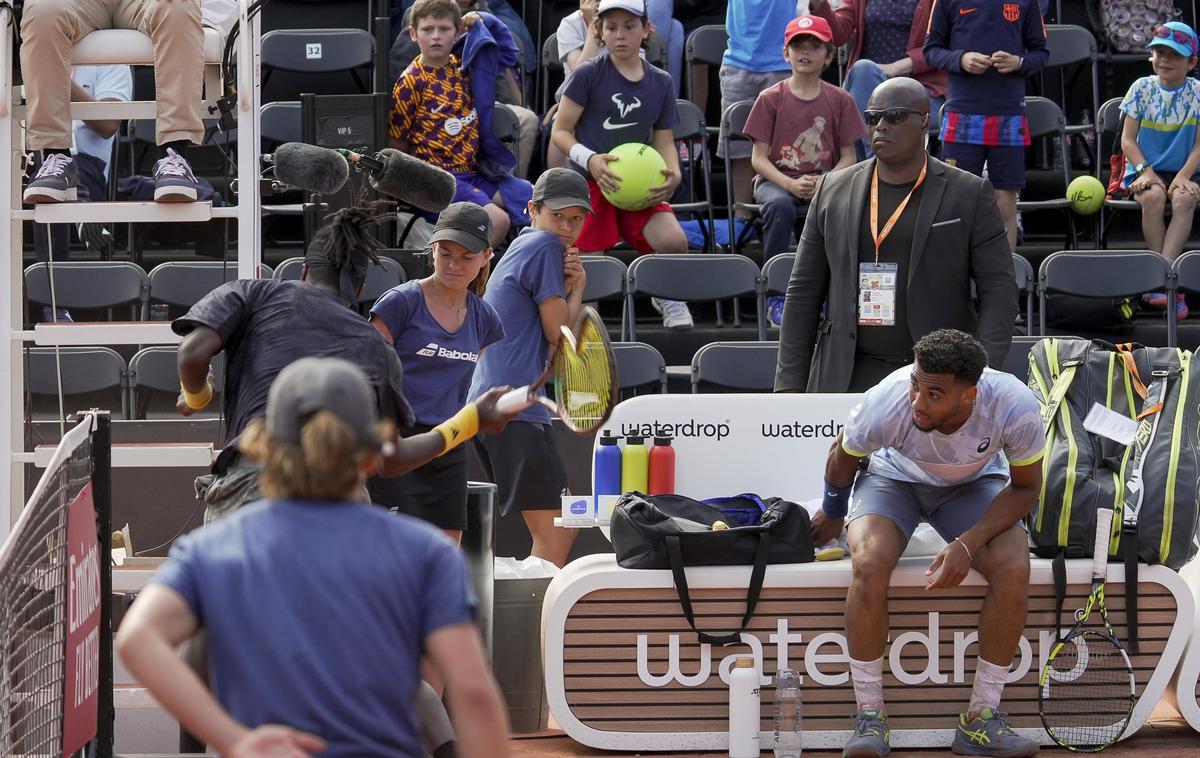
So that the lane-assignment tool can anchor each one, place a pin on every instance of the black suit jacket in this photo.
(959, 239)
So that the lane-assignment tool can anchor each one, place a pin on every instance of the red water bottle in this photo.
(662, 468)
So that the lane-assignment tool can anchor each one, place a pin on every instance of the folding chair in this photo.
(551, 64)
(1105, 273)
(506, 128)
(733, 120)
(184, 283)
(1069, 45)
(154, 376)
(380, 279)
(693, 278)
(1186, 271)
(638, 366)
(318, 52)
(1046, 120)
(90, 285)
(1026, 285)
(95, 373)
(744, 366)
(280, 122)
(1017, 360)
(1109, 123)
(691, 132)
(705, 45)
(605, 281)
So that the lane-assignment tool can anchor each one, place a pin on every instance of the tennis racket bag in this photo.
(676, 532)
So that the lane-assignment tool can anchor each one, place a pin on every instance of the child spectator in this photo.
(749, 66)
(437, 116)
(988, 50)
(802, 128)
(1161, 160)
(576, 43)
(611, 100)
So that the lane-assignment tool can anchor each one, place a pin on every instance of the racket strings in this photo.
(1089, 692)
(583, 381)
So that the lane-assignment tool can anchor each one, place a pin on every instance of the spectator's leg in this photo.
(779, 214)
(1006, 203)
(675, 54)
(699, 93)
(1154, 202)
(527, 122)
(663, 234)
(178, 63)
(1183, 206)
(861, 80)
(48, 30)
(500, 221)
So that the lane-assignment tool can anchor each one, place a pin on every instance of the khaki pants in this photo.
(50, 27)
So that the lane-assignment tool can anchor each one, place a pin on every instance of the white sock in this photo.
(989, 684)
(867, 677)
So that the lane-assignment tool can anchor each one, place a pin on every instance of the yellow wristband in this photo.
(198, 401)
(459, 428)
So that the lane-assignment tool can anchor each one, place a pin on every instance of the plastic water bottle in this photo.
(786, 732)
(635, 464)
(744, 708)
(662, 468)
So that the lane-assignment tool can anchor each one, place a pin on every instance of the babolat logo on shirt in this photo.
(434, 348)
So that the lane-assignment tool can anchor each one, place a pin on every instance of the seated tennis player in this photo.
(318, 609)
(958, 445)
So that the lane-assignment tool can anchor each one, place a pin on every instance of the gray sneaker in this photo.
(675, 313)
(174, 181)
(871, 736)
(56, 181)
(989, 734)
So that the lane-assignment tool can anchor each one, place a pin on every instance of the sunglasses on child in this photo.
(891, 115)
(1180, 36)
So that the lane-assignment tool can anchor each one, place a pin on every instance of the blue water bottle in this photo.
(607, 466)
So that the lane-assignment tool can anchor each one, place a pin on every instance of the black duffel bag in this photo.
(674, 532)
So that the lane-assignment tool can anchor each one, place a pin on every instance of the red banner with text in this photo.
(81, 690)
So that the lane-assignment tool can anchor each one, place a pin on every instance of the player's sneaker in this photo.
(775, 310)
(989, 734)
(174, 181)
(56, 181)
(675, 313)
(871, 736)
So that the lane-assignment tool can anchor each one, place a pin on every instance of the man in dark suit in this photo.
(894, 243)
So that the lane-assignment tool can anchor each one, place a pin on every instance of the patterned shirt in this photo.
(433, 112)
(888, 26)
(1167, 121)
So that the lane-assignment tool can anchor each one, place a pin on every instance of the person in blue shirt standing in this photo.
(537, 288)
(989, 48)
(439, 327)
(318, 609)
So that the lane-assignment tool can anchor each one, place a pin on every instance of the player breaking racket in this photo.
(537, 288)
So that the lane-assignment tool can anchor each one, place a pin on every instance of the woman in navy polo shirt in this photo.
(439, 325)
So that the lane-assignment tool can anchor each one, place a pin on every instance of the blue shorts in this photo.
(950, 510)
(471, 187)
(1005, 163)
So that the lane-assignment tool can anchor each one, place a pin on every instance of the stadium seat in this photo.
(1186, 270)
(1046, 120)
(1104, 273)
(1026, 286)
(95, 373)
(733, 120)
(694, 135)
(506, 128)
(154, 375)
(183, 283)
(1017, 360)
(550, 65)
(1069, 45)
(704, 46)
(605, 281)
(90, 285)
(319, 51)
(638, 367)
(380, 278)
(280, 122)
(1109, 123)
(742, 366)
(693, 278)
(776, 273)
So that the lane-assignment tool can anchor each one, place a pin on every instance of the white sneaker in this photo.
(675, 313)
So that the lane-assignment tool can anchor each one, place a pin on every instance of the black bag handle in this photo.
(1129, 550)
(1059, 566)
(675, 554)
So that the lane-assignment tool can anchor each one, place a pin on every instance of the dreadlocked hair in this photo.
(345, 238)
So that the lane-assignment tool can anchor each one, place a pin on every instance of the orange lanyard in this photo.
(880, 235)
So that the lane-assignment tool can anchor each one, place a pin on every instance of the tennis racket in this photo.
(584, 371)
(1087, 693)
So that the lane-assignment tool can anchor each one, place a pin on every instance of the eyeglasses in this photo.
(1180, 36)
(891, 115)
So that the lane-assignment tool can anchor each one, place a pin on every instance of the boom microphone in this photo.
(406, 178)
(312, 168)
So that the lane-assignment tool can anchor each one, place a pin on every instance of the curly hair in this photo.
(950, 351)
(345, 242)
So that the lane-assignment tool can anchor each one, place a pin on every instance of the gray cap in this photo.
(309, 385)
(465, 223)
(562, 188)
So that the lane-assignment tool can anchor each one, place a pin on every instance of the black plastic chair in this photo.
(184, 283)
(1017, 360)
(95, 373)
(1046, 120)
(605, 281)
(705, 45)
(90, 285)
(733, 121)
(318, 51)
(1109, 123)
(743, 366)
(693, 278)
(506, 128)
(1026, 286)
(1071, 45)
(380, 278)
(639, 366)
(154, 376)
(692, 132)
(551, 64)
(1105, 273)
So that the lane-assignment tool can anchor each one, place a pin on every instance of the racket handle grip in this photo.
(514, 400)
(1104, 517)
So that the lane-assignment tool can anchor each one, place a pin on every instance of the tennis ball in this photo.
(719, 525)
(640, 168)
(1086, 194)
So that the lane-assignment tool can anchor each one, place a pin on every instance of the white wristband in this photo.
(581, 154)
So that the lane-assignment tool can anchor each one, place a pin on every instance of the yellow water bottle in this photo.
(635, 465)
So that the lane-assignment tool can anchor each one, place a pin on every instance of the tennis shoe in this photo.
(1155, 300)
(871, 736)
(56, 181)
(1181, 309)
(989, 734)
(174, 181)
(775, 310)
(675, 313)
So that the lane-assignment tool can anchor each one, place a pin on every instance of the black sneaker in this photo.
(174, 181)
(55, 181)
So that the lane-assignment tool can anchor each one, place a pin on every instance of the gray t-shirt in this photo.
(1005, 427)
(616, 110)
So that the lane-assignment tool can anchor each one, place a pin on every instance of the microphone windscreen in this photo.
(413, 181)
(316, 169)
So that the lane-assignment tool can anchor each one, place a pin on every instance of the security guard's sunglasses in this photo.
(891, 115)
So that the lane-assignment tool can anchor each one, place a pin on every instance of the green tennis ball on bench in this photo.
(640, 168)
(1086, 194)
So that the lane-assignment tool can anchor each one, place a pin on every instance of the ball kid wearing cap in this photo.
(439, 326)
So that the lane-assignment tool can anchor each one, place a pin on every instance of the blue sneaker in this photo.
(871, 736)
(775, 310)
(56, 315)
(989, 734)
